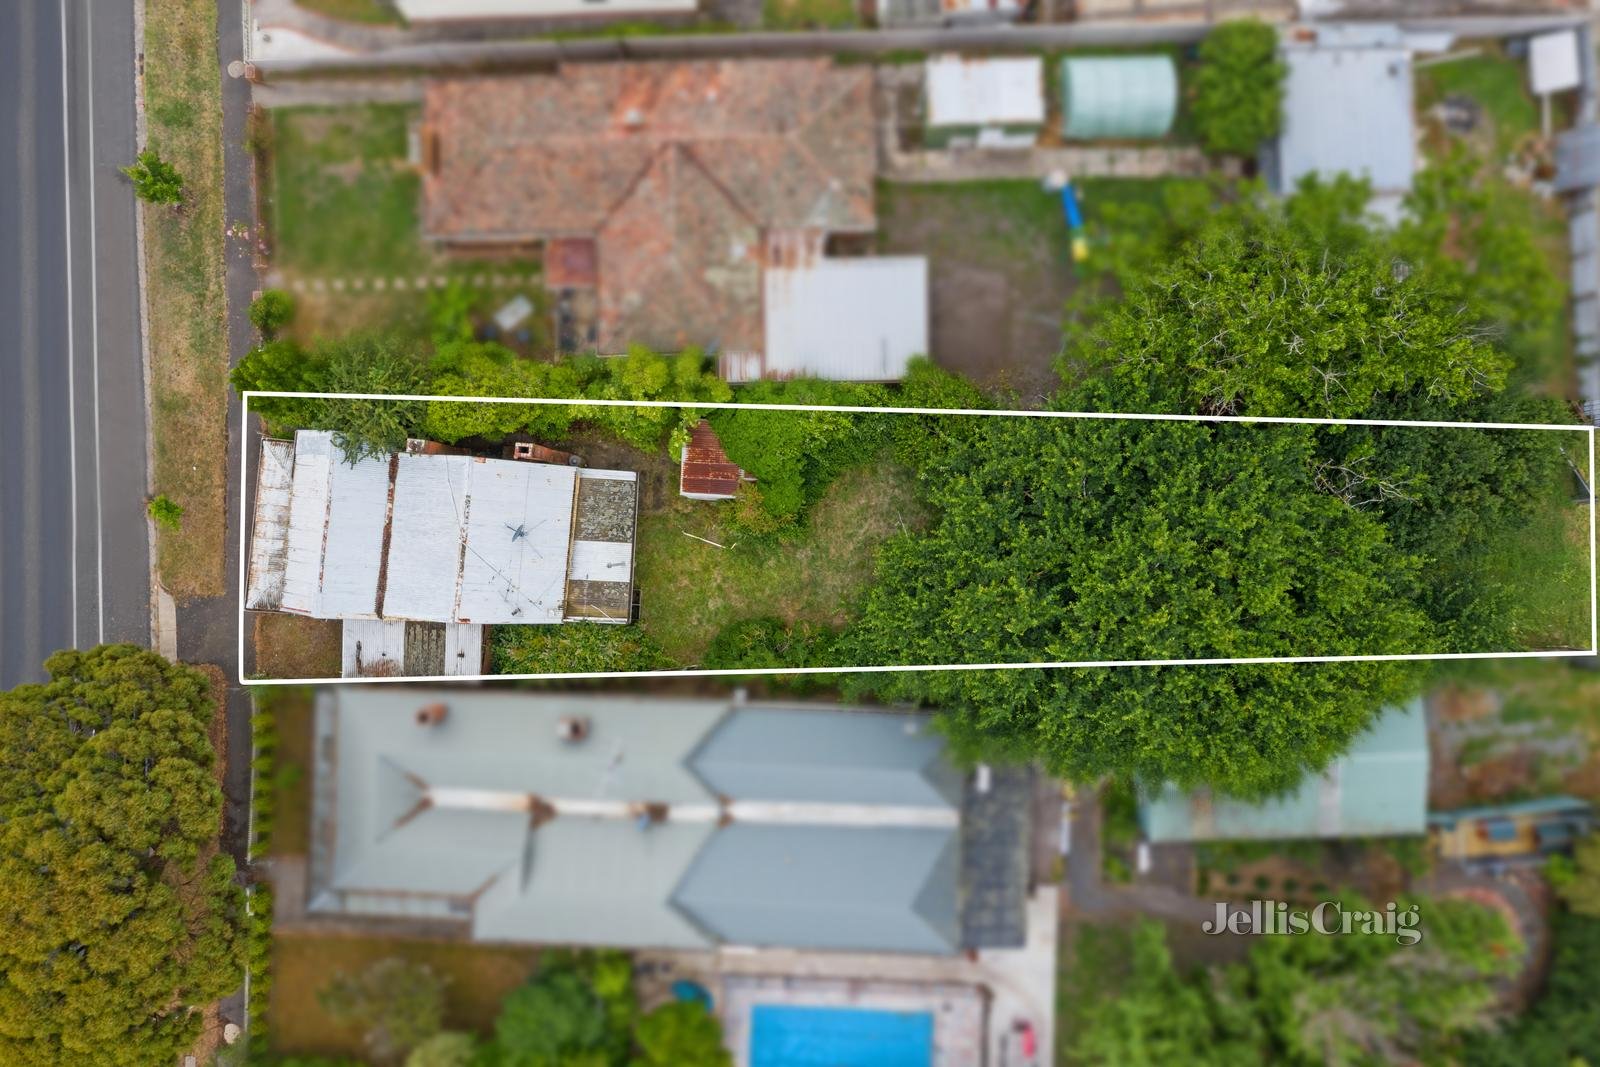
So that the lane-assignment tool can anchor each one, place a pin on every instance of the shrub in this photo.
(449, 1048)
(154, 179)
(167, 512)
(1238, 93)
(400, 1004)
(679, 1034)
(271, 311)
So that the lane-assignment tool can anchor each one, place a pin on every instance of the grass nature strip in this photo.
(186, 294)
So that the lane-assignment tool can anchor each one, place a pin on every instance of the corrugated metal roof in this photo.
(826, 888)
(448, 810)
(705, 471)
(373, 648)
(828, 757)
(450, 10)
(432, 537)
(269, 538)
(979, 92)
(1365, 128)
(1379, 787)
(850, 319)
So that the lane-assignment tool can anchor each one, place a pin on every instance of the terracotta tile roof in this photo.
(706, 469)
(551, 155)
(676, 170)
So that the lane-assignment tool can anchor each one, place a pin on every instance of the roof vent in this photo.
(633, 118)
(572, 728)
(432, 714)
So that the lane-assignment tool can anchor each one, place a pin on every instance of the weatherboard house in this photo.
(417, 551)
(645, 822)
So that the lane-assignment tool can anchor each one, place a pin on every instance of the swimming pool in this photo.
(783, 1035)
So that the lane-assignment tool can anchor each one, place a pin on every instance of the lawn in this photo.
(344, 199)
(1547, 565)
(810, 15)
(690, 589)
(479, 977)
(186, 295)
(293, 646)
(1497, 84)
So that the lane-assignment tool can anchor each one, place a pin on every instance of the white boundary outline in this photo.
(244, 543)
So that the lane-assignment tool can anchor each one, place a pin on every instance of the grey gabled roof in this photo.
(826, 887)
(827, 756)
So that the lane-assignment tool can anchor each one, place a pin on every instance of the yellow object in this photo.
(1080, 249)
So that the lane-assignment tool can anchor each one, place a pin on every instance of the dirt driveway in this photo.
(1000, 273)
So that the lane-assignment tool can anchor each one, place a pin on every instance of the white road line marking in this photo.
(72, 396)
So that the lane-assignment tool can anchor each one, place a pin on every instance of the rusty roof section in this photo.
(706, 470)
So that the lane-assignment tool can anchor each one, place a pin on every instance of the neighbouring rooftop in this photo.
(674, 189)
(432, 537)
(1378, 788)
(664, 823)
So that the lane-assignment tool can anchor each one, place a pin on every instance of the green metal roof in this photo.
(1118, 96)
(1378, 788)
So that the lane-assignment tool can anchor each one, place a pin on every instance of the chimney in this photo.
(432, 714)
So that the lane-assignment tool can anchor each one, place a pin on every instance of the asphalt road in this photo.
(74, 543)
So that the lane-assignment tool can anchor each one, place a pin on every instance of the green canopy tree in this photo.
(1238, 93)
(120, 921)
(1074, 540)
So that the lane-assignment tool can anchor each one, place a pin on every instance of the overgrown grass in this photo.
(690, 590)
(478, 979)
(1546, 563)
(187, 294)
(1497, 84)
(293, 646)
(810, 15)
(345, 201)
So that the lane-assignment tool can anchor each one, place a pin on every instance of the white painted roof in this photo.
(1553, 62)
(468, 539)
(852, 319)
(978, 92)
(269, 543)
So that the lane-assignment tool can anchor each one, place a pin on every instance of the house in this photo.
(437, 538)
(644, 822)
(689, 204)
(987, 103)
(1527, 829)
(1378, 788)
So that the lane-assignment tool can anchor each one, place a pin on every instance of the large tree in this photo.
(119, 919)
(1113, 540)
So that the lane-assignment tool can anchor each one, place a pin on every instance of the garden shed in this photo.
(1118, 97)
(984, 102)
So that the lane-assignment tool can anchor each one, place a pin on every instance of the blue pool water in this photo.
(785, 1036)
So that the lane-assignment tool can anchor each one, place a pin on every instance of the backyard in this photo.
(478, 977)
(1000, 267)
(690, 589)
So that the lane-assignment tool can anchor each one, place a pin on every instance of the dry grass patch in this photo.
(690, 589)
(186, 293)
(292, 646)
(479, 977)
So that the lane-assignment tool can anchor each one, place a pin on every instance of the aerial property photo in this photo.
(799, 533)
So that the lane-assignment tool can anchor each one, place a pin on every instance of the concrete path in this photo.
(74, 538)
